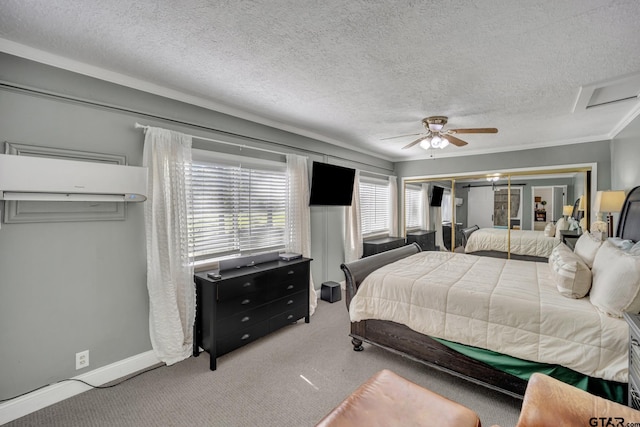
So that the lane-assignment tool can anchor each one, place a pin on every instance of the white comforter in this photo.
(523, 242)
(507, 306)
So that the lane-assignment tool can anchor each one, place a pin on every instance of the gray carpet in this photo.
(292, 377)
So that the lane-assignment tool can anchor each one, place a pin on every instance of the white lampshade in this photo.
(567, 210)
(581, 205)
(609, 201)
(436, 142)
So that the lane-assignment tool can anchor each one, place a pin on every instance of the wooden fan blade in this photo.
(474, 130)
(455, 141)
(413, 143)
(400, 136)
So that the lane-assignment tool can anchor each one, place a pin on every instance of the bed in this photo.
(526, 245)
(490, 340)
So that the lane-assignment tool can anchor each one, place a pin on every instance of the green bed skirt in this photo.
(523, 369)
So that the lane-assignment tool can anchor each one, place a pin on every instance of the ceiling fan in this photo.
(436, 137)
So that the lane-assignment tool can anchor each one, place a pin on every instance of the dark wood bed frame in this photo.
(404, 341)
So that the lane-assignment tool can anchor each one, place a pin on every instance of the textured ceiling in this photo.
(354, 72)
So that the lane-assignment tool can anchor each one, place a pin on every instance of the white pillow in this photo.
(561, 225)
(586, 247)
(635, 249)
(549, 230)
(616, 281)
(570, 274)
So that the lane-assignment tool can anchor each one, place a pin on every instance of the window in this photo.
(446, 206)
(413, 207)
(374, 206)
(238, 208)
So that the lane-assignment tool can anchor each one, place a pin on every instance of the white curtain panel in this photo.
(426, 211)
(393, 206)
(167, 155)
(352, 227)
(298, 218)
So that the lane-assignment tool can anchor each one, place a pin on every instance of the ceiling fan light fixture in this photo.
(425, 143)
(439, 142)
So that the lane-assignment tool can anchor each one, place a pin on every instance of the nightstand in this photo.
(570, 237)
(634, 359)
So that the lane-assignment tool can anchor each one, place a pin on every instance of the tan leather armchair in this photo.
(388, 399)
(549, 402)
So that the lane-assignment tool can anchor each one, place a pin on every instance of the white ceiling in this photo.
(353, 72)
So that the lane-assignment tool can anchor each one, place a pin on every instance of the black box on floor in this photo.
(331, 292)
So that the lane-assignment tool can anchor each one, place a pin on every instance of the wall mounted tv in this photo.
(436, 196)
(331, 185)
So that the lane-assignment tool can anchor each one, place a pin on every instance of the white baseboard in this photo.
(55, 393)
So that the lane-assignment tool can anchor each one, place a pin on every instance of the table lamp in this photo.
(567, 210)
(609, 202)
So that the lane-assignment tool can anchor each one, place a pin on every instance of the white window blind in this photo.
(374, 206)
(413, 207)
(237, 209)
(446, 206)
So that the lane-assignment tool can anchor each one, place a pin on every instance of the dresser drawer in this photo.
(243, 303)
(233, 340)
(295, 272)
(236, 287)
(242, 320)
(288, 317)
(289, 302)
(288, 287)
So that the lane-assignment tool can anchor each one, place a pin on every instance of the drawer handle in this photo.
(635, 342)
(246, 284)
(245, 302)
(290, 287)
(245, 336)
(245, 319)
(289, 317)
(290, 302)
(290, 272)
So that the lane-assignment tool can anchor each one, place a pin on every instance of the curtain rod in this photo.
(48, 94)
(145, 127)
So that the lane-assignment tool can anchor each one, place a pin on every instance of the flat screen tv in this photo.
(331, 185)
(436, 196)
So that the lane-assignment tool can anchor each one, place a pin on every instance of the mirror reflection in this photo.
(511, 215)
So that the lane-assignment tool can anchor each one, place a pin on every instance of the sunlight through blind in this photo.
(374, 206)
(413, 207)
(236, 209)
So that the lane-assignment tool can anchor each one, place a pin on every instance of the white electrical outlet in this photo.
(82, 359)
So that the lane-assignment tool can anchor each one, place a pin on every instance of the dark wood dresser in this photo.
(426, 239)
(634, 359)
(247, 303)
(375, 246)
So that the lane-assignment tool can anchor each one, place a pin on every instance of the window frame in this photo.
(380, 208)
(241, 199)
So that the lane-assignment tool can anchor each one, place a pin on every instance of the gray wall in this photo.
(625, 156)
(74, 286)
